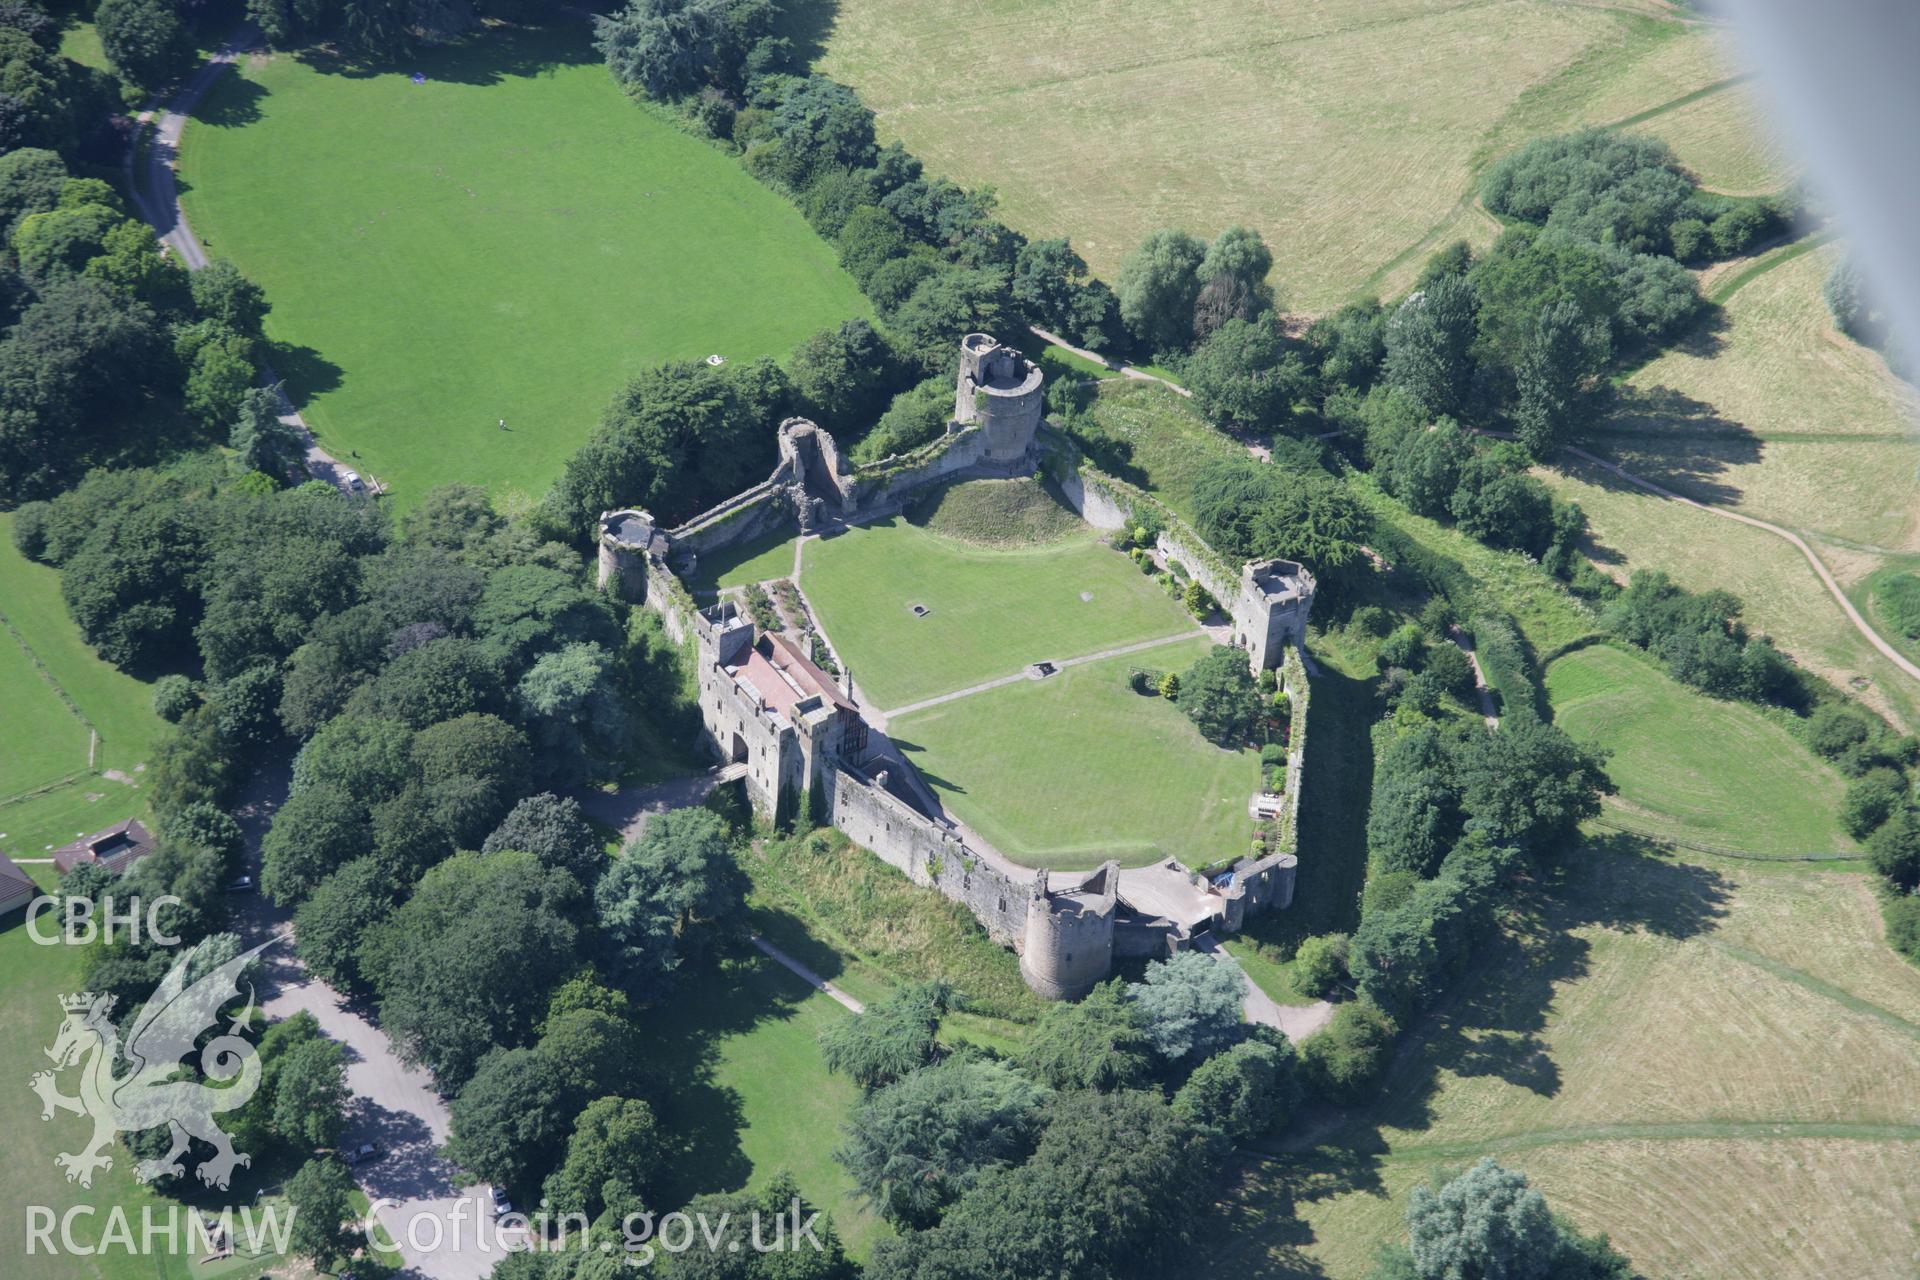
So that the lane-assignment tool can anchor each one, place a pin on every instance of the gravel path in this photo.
(1865, 628)
(156, 195)
(444, 1230)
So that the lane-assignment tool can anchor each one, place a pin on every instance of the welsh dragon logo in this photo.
(148, 1094)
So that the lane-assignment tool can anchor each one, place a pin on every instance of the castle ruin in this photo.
(800, 743)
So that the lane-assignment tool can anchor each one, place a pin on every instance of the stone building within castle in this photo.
(799, 738)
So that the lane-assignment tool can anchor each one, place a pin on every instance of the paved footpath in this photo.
(1060, 665)
(156, 195)
(806, 975)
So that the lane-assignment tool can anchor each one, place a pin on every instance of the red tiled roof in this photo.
(783, 677)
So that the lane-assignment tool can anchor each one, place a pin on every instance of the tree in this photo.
(337, 914)
(822, 126)
(1414, 815)
(1190, 1005)
(1895, 848)
(507, 1123)
(1243, 1091)
(30, 182)
(889, 1040)
(726, 1250)
(1529, 784)
(1157, 286)
(1428, 343)
(841, 376)
(555, 831)
(914, 1146)
(263, 442)
(377, 29)
(1844, 291)
(145, 42)
(439, 680)
(1233, 281)
(1048, 278)
(1560, 353)
(1343, 1060)
(247, 707)
(309, 1094)
(1873, 798)
(173, 695)
(615, 1151)
(470, 960)
(1114, 1189)
(657, 902)
(1218, 694)
(1099, 1043)
(320, 1205)
(55, 411)
(1486, 1224)
(316, 832)
(1320, 965)
(949, 304)
(1240, 375)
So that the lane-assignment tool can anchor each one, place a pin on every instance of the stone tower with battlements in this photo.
(1000, 389)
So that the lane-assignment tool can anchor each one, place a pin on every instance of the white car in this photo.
(501, 1205)
(355, 483)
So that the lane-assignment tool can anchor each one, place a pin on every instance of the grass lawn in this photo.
(1350, 135)
(991, 612)
(1690, 767)
(747, 1093)
(52, 739)
(512, 239)
(758, 560)
(1070, 771)
(45, 740)
(1717, 1063)
(1152, 437)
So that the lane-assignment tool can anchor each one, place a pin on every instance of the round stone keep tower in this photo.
(1067, 949)
(1000, 390)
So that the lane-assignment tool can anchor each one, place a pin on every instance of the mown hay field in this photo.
(1716, 1062)
(1349, 135)
(1770, 411)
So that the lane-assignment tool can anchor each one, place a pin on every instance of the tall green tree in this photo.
(144, 40)
(1429, 341)
(1553, 404)
(1157, 287)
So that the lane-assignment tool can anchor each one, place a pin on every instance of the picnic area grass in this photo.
(512, 238)
(1349, 135)
(1693, 768)
(1715, 1062)
(1072, 770)
(990, 611)
(747, 1094)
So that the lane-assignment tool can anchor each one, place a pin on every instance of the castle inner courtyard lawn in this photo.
(989, 612)
(510, 239)
(1078, 768)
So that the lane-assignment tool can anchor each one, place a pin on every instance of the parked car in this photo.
(365, 1153)
(501, 1205)
(240, 884)
(355, 483)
